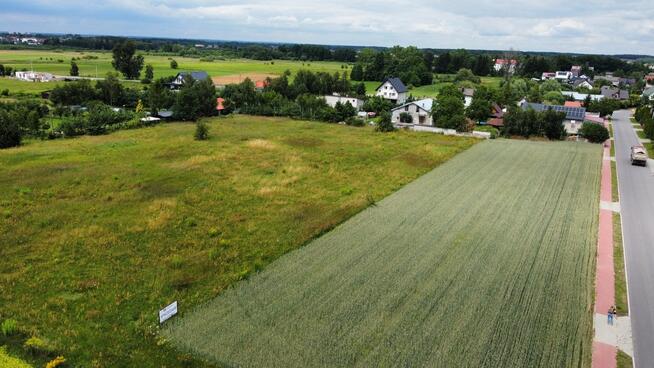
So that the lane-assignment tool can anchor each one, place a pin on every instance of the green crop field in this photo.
(99, 233)
(486, 261)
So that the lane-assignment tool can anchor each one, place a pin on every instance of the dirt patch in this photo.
(238, 78)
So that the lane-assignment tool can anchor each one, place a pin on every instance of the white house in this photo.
(468, 94)
(393, 89)
(505, 64)
(563, 75)
(420, 112)
(332, 100)
(34, 76)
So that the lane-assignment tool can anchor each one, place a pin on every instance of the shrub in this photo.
(493, 131)
(385, 124)
(73, 126)
(56, 362)
(9, 327)
(5, 92)
(595, 133)
(35, 345)
(201, 131)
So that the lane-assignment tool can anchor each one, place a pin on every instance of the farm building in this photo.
(332, 100)
(34, 76)
(419, 112)
(393, 89)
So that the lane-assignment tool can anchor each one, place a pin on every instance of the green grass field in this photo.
(487, 261)
(58, 62)
(99, 233)
(48, 61)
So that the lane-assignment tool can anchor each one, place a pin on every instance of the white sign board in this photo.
(166, 313)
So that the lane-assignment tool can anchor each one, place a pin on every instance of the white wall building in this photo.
(563, 75)
(34, 76)
(393, 89)
(332, 100)
(420, 112)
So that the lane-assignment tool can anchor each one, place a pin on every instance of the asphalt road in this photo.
(636, 186)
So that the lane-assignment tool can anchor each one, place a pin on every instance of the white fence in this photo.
(421, 128)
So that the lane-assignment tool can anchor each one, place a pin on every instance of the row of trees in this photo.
(644, 117)
(408, 63)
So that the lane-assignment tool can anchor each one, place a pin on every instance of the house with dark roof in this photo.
(581, 83)
(393, 89)
(179, 79)
(574, 116)
(614, 93)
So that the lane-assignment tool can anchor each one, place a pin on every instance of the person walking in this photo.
(610, 316)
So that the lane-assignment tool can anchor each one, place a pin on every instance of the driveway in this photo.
(636, 186)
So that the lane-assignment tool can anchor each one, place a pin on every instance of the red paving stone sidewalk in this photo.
(604, 356)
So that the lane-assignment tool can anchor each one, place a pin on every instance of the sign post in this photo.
(166, 313)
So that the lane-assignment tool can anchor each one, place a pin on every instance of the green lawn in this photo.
(487, 261)
(99, 233)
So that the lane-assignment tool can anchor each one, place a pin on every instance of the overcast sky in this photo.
(588, 26)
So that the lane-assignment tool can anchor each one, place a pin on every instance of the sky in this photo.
(584, 26)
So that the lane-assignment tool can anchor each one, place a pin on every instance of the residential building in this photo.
(393, 90)
(649, 78)
(332, 100)
(563, 75)
(509, 65)
(614, 93)
(576, 70)
(574, 116)
(179, 79)
(649, 93)
(579, 82)
(572, 104)
(420, 112)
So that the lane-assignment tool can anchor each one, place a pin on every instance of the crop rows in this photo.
(486, 261)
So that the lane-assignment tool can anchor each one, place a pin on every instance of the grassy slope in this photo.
(107, 230)
(487, 261)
